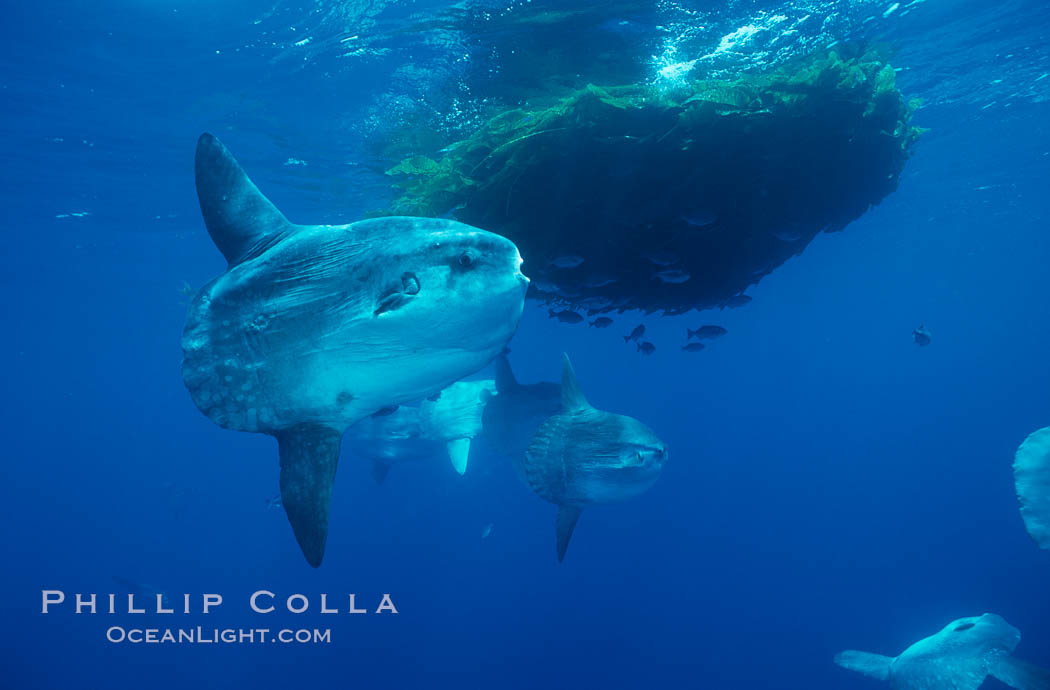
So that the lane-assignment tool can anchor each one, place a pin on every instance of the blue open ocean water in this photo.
(829, 486)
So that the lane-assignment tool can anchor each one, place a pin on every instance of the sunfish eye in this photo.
(466, 259)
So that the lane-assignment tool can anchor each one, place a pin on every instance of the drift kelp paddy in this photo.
(632, 197)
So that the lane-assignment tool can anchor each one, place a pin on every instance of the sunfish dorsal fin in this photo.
(572, 399)
(309, 456)
(871, 665)
(567, 517)
(459, 453)
(236, 213)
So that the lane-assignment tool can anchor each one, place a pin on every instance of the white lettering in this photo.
(47, 595)
(212, 600)
(386, 605)
(90, 603)
(255, 597)
(298, 597)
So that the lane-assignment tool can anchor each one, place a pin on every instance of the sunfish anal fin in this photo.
(1021, 674)
(309, 456)
(871, 665)
(238, 217)
(572, 398)
(459, 453)
(567, 517)
(379, 471)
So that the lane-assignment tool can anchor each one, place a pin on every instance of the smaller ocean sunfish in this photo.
(959, 657)
(585, 456)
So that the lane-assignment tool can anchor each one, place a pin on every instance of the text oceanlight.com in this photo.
(200, 635)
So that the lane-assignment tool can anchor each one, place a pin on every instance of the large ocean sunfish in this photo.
(584, 456)
(959, 657)
(313, 327)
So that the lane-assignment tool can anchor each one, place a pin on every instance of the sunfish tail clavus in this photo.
(585, 456)
(313, 327)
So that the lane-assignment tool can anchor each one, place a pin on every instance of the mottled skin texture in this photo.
(300, 334)
(314, 327)
(584, 456)
(591, 456)
(959, 657)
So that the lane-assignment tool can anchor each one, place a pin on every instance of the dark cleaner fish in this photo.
(693, 347)
(314, 327)
(602, 322)
(637, 333)
(584, 456)
(566, 316)
(646, 348)
(959, 657)
(922, 336)
(737, 301)
(706, 332)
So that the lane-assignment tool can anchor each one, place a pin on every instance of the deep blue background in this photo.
(830, 484)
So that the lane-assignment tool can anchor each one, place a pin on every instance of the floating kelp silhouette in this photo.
(725, 178)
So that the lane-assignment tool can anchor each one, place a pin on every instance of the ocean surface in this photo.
(830, 484)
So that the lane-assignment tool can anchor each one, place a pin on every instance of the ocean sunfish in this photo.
(1032, 481)
(385, 440)
(584, 456)
(511, 418)
(314, 327)
(959, 657)
(454, 417)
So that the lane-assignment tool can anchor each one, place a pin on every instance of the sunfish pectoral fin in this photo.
(872, 665)
(459, 454)
(572, 399)
(238, 217)
(309, 456)
(1021, 674)
(567, 517)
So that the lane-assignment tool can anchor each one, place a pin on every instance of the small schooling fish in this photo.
(637, 333)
